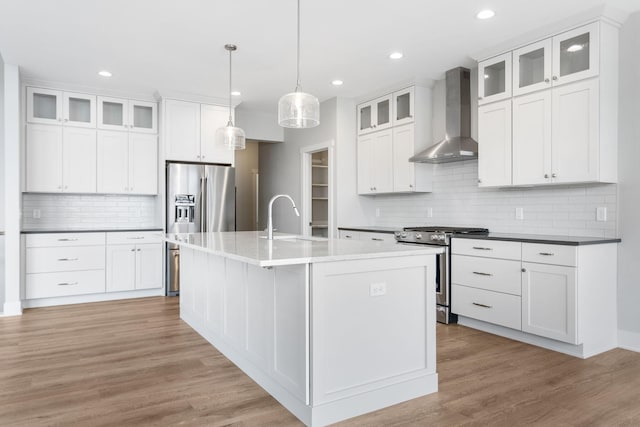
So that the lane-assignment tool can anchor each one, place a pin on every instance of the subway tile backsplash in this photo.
(73, 212)
(457, 200)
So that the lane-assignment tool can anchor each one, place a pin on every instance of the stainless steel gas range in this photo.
(439, 236)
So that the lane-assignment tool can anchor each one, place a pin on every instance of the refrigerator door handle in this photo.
(201, 197)
(205, 219)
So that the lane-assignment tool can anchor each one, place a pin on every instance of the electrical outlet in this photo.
(429, 212)
(520, 213)
(377, 289)
(36, 214)
(601, 214)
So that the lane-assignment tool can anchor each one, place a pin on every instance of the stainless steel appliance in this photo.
(438, 236)
(200, 198)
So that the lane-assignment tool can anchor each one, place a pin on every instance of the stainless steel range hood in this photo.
(457, 144)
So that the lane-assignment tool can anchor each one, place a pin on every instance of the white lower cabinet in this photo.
(565, 293)
(366, 235)
(134, 261)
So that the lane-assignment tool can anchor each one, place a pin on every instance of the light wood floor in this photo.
(134, 362)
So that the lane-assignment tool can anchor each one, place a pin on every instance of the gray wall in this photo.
(259, 125)
(629, 174)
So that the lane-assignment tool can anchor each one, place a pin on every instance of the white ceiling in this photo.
(177, 46)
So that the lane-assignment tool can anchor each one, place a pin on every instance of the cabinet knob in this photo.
(479, 181)
(410, 185)
(524, 270)
(546, 80)
(59, 187)
(66, 186)
(59, 119)
(480, 98)
(66, 120)
(553, 175)
(555, 77)
(546, 175)
(203, 157)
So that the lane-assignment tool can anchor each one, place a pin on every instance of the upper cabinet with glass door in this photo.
(48, 106)
(576, 54)
(403, 106)
(124, 114)
(532, 67)
(494, 79)
(375, 115)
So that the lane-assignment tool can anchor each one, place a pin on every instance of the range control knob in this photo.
(434, 237)
(397, 233)
(418, 236)
(403, 234)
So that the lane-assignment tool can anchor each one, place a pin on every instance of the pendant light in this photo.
(230, 136)
(298, 109)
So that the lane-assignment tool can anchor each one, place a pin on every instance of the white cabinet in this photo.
(494, 79)
(349, 234)
(47, 106)
(556, 135)
(494, 142)
(189, 132)
(127, 114)
(532, 67)
(134, 261)
(383, 155)
(127, 163)
(375, 171)
(60, 159)
(549, 301)
(576, 54)
(366, 235)
(375, 115)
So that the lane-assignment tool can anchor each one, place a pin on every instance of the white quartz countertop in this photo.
(252, 248)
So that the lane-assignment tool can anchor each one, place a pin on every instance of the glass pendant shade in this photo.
(231, 137)
(298, 110)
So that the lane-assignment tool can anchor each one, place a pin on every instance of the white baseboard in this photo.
(80, 299)
(629, 340)
(12, 308)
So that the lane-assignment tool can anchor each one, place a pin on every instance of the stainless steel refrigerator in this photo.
(200, 198)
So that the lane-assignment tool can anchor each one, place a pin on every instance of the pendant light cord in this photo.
(230, 86)
(298, 55)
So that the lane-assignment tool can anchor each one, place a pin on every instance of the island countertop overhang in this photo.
(251, 247)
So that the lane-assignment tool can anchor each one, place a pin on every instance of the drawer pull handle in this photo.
(377, 239)
(67, 283)
(67, 240)
(135, 238)
(347, 237)
(480, 248)
(67, 259)
(479, 273)
(546, 253)
(481, 305)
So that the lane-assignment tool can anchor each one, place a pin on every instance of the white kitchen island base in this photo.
(329, 340)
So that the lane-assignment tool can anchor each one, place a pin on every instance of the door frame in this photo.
(305, 168)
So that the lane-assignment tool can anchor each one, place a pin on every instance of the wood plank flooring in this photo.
(134, 362)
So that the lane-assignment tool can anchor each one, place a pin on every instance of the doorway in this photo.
(317, 190)
(247, 187)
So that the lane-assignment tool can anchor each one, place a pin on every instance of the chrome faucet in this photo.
(270, 223)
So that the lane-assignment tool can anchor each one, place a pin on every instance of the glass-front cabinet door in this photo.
(403, 106)
(374, 115)
(79, 110)
(143, 116)
(494, 79)
(112, 113)
(532, 67)
(576, 54)
(44, 106)
(365, 118)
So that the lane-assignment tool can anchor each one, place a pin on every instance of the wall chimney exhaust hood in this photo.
(457, 144)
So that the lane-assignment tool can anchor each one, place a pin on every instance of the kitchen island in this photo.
(330, 328)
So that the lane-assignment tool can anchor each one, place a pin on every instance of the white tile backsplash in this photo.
(457, 200)
(69, 212)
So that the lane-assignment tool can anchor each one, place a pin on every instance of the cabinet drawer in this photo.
(349, 234)
(73, 258)
(493, 307)
(378, 237)
(497, 275)
(47, 285)
(487, 248)
(133, 237)
(63, 239)
(549, 254)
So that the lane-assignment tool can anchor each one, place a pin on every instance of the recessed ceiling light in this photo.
(396, 55)
(485, 14)
(337, 82)
(235, 93)
(104, 73)
(574, 48)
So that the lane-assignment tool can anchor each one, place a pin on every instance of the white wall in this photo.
(259, 125)
(629, 187)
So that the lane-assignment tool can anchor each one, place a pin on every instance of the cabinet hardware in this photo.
(480, 248)
(480, 98)
(66, 120)
(59, 187)
(135, 238)
(347, 237)
(59, 119)
(546, 175)
(481, 305)
(546, 253)
(479, 273)
(553, 175)
(410, 185)
(133, 250)
(67, 259)
(546, 80)
(138, 250)
(555, 77)
(524, 270)
(67, 283)
(377, 239)
(479, 181)
(67, 240)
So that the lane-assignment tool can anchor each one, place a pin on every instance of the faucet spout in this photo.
(270, 219)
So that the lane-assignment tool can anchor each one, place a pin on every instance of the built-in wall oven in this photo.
(438, 236)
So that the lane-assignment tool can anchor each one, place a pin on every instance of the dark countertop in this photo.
(372, 229)
(536, 238)
(95, 230)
